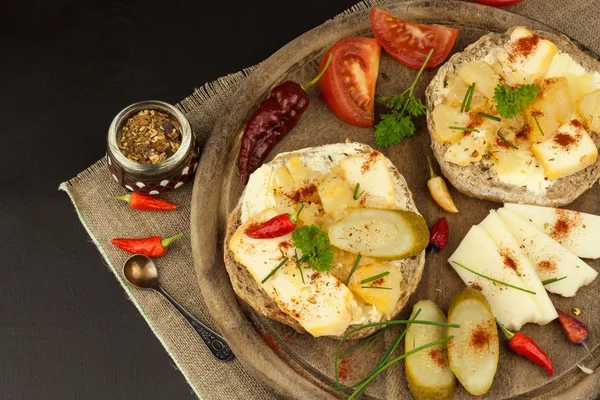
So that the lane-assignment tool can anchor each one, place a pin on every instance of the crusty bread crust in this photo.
(248, 290)
(480, 179)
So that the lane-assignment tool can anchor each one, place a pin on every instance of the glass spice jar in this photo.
(168, 174)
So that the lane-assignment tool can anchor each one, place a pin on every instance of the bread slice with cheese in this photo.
(333, 307)
(557, 161)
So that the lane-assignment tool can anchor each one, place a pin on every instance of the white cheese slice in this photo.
(515, 259)
(477, 251)
(569, 150)
(371, 172)
(577, 231)
(550, 258)
(521, 168)
(525, 58)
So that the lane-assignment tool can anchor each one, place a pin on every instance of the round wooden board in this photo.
(300, 366)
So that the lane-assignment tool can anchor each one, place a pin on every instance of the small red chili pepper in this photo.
(145, 202)
(439, 233)
(576, 331)
(275, 117)
(279, 225)
(153, 246)
(526, 347)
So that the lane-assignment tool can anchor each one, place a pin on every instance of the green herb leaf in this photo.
(488, 116)
(537, 123)
(552, 280)
(397, 125)
(376, 287)
(467, 98)
(492, 279)
(356, 193)
(354, 266)
(375, 277)
(468, 105)
(298, 263)
(506, 142)
(509, 102)
(462, 128)
(315, 247)
(281, 264)
(392, 129)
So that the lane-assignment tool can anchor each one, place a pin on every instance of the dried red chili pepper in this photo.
(275, 117)
(526, 347)
(279, 225)
(439, 233)
(576, 331)
(153, 246)
(145, 202)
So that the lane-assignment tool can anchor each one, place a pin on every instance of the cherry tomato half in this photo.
(409, 42)
(348, 85)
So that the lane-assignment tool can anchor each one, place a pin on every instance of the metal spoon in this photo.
(141, 271)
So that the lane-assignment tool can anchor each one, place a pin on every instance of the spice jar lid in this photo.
(170, 162)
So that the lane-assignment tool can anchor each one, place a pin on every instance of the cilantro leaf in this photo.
(393, 128)
(415, 107)
(509, 102)
(315, 247)
(396, 102)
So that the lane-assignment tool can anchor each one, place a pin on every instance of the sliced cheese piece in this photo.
(515, 259)
(371, 172)
(477, 251)
(589, 108)
(525, 58)
(580, 82)
(321, 304)
(569, 150)
(520, 168)
(577, 231)
(482, 74)
(470, 148)
(550, 258)
(444, 117)
(383, 292)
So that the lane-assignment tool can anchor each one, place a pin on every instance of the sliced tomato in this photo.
(498, 3)
(348, 84)
(409, 42)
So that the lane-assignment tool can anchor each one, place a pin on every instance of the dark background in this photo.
(66, 68)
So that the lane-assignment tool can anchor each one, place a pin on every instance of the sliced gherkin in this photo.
(380, 233)
(428, 372)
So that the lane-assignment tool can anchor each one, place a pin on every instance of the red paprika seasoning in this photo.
(145, 202)
(279, 225)
(526, 347)
(153, 246)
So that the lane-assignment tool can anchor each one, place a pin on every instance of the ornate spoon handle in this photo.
(215, 342)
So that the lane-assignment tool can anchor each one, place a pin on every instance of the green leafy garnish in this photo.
(462, 128)
(509, 102)
(398, 125)
(488, 116)
(354, 266)
(298, 262)
(376, 287)
(375, 277)
(506, 142)
(315, 247)
(537, 123)
(492, 279)
(281, 264)
(357, 192)
(552, 280)
(466, 103)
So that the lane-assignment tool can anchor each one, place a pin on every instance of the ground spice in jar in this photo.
(149, 137)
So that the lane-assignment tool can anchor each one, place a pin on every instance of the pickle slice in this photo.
(474, 351)
(428, 372)
(388, 234)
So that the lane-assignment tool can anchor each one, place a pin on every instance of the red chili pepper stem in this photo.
(306, 86)
(125, 197)
(167, 241)
(294, 216)
(432, 174)
(509, 335)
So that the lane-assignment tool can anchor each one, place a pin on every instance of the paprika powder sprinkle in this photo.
(146, 202)
(277, 226)
(153, 246)
(275, 117)
(526, 347)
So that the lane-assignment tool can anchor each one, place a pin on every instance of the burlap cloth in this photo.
(105, 219)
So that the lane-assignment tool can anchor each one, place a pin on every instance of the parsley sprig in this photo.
(398, 125)
(509, 102)
(315, 247)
